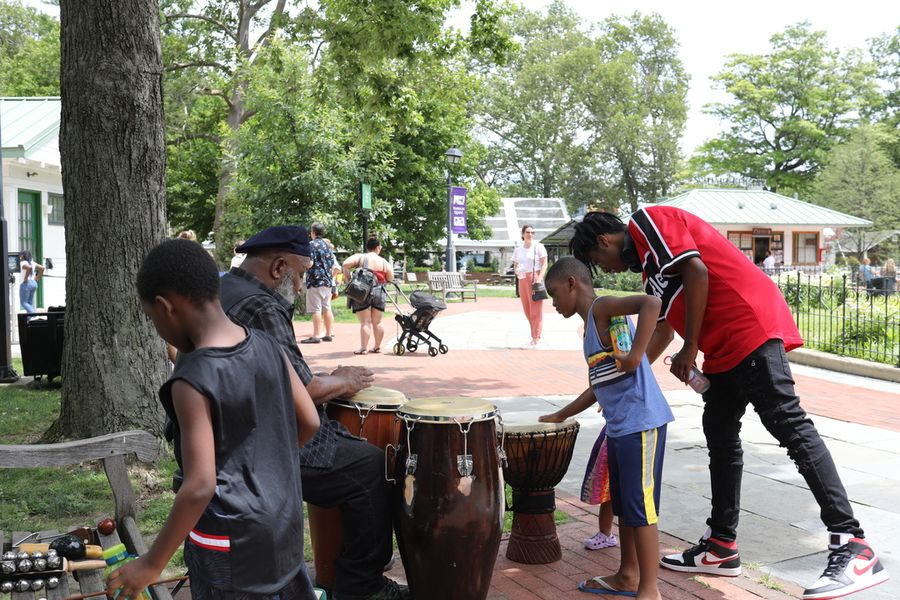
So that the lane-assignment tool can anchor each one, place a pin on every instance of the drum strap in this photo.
(533, 503)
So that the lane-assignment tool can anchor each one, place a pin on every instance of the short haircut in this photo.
(569, 266)
(318, 229)
(586, 232)
(180, 266)
(372, 243)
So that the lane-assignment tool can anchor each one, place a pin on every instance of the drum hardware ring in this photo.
(363, 415)
(501, 449)
(387, 476)
(412, 459)
(464, 461)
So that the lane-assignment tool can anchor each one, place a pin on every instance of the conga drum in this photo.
(537, 457)
(371, 415)
(449, 497)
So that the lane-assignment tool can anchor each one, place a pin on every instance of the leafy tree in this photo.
(788, 108)
(885, 107)
(636, 97)
(529, 113)
(29, 51)
(113, 157)
(860, 179)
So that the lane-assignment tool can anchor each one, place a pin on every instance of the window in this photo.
(806, 248)
(56, 209)
(743, 240)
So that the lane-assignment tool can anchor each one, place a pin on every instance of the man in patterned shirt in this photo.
(319, 281)
(336, 468)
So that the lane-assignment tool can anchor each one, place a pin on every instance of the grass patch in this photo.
(559, 517)
(770, 582)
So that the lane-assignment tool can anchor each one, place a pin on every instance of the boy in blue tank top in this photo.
(240, 415)
(636, 416)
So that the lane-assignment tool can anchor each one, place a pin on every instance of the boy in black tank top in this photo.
(240, 414)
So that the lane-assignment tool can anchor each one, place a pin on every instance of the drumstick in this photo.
(103, 593)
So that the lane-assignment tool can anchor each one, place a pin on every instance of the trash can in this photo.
(41, 342)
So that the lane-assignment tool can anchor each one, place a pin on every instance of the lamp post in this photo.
(453, 156)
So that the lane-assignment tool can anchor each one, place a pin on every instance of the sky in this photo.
(709, 30)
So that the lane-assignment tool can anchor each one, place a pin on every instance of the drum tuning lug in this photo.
(411, 462)
(464, 464)
(501, 456)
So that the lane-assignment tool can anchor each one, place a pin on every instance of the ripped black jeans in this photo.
(763, 379)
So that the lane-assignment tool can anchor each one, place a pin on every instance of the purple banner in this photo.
(458, 210)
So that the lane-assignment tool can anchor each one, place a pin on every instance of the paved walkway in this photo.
(782, 540)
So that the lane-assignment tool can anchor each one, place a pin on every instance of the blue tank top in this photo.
(631, 402)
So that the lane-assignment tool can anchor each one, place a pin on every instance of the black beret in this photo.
(289, 238)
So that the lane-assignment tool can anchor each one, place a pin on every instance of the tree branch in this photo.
(223, 26)
(200, 63)
(266, 37)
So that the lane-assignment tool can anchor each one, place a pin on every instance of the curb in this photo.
(844, 364)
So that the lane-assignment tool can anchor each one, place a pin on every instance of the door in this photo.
(30, 231)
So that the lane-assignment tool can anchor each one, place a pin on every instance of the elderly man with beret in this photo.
(336, 468)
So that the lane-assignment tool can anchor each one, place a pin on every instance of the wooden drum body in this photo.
(372, 415)
(537, 455)
(449, 497)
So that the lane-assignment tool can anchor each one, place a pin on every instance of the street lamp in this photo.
(453, 156)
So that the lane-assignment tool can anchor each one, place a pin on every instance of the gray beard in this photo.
(285, 289)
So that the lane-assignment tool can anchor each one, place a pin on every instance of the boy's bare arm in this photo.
(695, 279)
(198, 459)
(662, 337)
(647, 309)
(584, 401)
(307, 417)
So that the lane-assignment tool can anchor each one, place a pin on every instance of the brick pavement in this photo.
(515, 372)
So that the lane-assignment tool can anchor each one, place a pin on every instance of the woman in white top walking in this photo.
(31, 274)
(530, 261)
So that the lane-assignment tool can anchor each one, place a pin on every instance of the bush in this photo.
(858, 333)
(626, 282)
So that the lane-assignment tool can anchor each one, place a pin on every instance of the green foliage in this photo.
(788, 108)
(29, 51)
(860, 179)
(625, 281)
(858, 331)
(590, 115)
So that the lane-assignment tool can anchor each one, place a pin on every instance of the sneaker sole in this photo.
(733, 572)
(872, 582)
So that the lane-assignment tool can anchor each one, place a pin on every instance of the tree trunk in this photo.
(112, 144)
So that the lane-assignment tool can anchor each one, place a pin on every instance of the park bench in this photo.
(444, 283)
(110, 450)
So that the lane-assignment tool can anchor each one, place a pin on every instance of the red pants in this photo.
(534, 310)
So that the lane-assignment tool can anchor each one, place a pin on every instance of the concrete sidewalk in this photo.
(781, 538)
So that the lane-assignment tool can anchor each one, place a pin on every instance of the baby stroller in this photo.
(414, 327)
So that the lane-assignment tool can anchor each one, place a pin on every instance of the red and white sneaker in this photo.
(852, 566)
(709, 556)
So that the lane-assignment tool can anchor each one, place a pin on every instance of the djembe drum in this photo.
(537, 457)
(371, 415)
(449, 497)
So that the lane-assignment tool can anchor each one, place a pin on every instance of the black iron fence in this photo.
(836, 315)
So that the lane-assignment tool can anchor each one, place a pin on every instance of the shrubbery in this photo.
(626, 282)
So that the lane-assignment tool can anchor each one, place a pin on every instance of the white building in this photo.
(33, 202)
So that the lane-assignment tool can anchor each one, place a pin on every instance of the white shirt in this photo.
(769, 262)
(528, 260)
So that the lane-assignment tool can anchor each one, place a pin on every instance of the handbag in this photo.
(361, 283)
(538, 289)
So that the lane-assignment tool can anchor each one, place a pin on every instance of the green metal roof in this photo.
(27, 124)
(742, 207)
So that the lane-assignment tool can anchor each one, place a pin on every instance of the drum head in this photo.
(448, 409)
(527, 422)
(374, 398)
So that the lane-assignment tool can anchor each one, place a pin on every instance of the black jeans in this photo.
(356, 484)
(763, 379)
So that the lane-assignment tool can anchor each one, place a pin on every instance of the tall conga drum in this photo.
(371, 415)
(449, 497)
(537, 457)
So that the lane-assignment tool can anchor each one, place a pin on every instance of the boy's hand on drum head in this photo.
(551, 418)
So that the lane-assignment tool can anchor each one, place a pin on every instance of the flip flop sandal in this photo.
(605, 588)
(375, 350)
(327, 338)
(363, 351)
(310, 340)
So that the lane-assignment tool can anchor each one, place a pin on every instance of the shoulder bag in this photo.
(538, 289)
(361, 283)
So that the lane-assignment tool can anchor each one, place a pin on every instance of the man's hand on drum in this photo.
(356, 377)
(552, 418)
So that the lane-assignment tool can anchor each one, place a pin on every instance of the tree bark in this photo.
(112, 143)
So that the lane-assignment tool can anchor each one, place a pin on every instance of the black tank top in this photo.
(256, 515)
